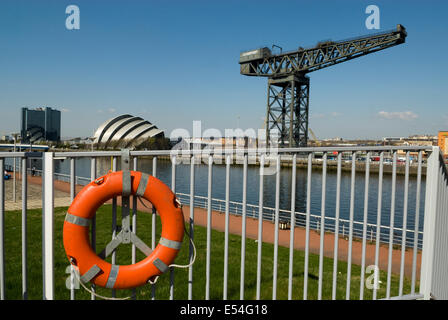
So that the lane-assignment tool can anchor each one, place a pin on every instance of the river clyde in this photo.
(164, 171)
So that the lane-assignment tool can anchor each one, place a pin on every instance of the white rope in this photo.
(155, 280)
(191, 240)
(194, 254)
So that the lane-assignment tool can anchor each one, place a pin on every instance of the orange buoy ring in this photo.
(91, 266)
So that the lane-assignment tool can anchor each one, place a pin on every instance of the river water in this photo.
(236, 188)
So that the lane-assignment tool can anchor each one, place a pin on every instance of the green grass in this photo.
(13, 268)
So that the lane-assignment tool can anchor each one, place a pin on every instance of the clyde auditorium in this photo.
(125, 131)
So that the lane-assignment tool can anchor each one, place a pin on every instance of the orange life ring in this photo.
(83, 208)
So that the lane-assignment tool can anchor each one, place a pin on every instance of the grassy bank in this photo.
(13, 268)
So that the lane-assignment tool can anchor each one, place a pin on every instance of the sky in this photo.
(175, 62)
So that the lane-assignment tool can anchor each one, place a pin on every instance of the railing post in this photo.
(432, 181)
(24, 231)
(2, 230)
(47, 230)
(191, 203)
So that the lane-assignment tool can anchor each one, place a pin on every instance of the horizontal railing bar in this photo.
(87, 154)
(350, 148)
(412, 296)
(239, 151)
(21, 154)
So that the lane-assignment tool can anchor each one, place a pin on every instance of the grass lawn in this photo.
(13, 261)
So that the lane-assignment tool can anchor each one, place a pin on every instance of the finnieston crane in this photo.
(289, 85)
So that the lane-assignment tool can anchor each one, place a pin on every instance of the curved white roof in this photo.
(127, 130)
(103, 128)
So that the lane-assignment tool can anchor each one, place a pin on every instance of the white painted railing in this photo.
(433, 240)
(434, 279)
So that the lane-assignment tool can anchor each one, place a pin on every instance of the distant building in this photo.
(420, 140)
(223, 143)
(443, 142)
(40, 124)
(415, 140)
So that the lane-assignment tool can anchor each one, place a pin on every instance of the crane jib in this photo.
(262, 62)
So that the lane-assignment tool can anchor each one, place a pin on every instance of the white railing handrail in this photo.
(436, 193)
(237, 151)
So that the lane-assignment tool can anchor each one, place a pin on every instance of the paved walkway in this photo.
(34, 194)
(62, 198)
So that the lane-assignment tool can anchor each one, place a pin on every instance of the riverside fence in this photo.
(426, 238)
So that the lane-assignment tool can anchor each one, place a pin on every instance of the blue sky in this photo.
(173, 62)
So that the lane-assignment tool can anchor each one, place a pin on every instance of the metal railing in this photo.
(432, 240)
(23, 158)
(236, 208)
(434, 280)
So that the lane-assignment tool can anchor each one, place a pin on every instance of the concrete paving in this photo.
(34, 194)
